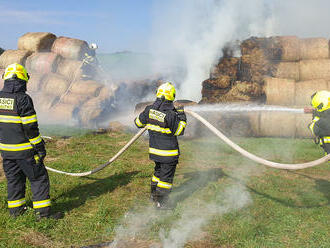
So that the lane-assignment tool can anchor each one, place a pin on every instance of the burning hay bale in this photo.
(13, 56)
(36, 41)
(54, 84)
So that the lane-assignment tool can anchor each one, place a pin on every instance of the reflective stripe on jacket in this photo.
(19, 131)
(164, 124)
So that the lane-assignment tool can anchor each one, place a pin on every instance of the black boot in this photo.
(162, 202)
(48, 215)
(153, 193)
(17, 211)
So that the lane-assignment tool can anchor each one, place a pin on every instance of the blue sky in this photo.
(115, 25)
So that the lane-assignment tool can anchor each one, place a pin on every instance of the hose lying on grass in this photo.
(221, 136)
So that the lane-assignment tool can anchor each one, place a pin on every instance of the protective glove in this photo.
(181, 113)
(41, 152)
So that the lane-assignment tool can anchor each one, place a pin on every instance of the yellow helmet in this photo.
(167, 90)
(16, 70)
(320, 100)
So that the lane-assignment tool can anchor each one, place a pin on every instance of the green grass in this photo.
(233, 201)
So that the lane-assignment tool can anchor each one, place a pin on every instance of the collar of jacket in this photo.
(163, 105)
(14, 86)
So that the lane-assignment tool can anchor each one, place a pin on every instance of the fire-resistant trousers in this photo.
(16, 171)
(162, 180)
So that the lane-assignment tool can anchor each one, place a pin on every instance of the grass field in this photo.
(221, 199)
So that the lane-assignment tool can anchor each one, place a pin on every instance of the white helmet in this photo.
(93, 46)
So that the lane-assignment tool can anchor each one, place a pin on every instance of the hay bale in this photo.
(71, 69)
(43, 102)
(70, 48)
(221, 82)
(74, 99)
(289, 70)
(305, 89)
(279, 91)
(108, 92)
(90, 111)
(63, 112)
(36, 41)
(302, 121)
(89, 87)
(55, 84)
(2, 71)
(314, 48)
(314, 69)
(284, 48)
(277, 124)
(42, 62)
(13, 56)
(35, 82)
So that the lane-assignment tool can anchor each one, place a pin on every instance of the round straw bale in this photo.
(289, 70)
(43, 102)
(69, 68)
(277, 124)
(108, 92)
(302, 121)
(55, 84)
(304, 90)
(62, 112)
(74, 99)
(90, 111)
(2, 71)
(314, 69)
(42, 62)
(279, 91)
(286, 48)
(35, 82)
(314, 48)
(36, 41)
(70, 48)
(88, 87)
(13, 56)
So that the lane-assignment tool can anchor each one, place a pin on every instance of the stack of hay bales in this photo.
(278, 71)
(54, 64)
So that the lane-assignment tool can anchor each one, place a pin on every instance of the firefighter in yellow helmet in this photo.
(164, 123)
(320, 125)
(22, 147)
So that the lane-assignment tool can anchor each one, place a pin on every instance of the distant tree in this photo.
(1, 50)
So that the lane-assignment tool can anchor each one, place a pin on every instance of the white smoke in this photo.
(200, 213)
(191, 34)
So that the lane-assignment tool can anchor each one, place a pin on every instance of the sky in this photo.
(185, 34)
(115, 25)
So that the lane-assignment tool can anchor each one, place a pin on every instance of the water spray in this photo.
(221, 136)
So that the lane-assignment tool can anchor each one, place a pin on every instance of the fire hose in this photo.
(236, 147)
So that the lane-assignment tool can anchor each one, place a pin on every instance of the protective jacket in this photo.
(320, 127)
(19, 132)
(164, 124)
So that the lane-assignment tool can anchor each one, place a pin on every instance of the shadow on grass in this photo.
(197, 180)
(79, 194)
(322, 185)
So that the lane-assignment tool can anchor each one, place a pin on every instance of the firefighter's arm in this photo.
(179, 122)
(141, 120)
(30, 125)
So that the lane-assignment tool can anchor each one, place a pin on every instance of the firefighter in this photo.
(90, 63)
(22, 147)
(164, 123)
(320, 125)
